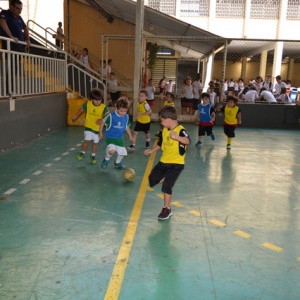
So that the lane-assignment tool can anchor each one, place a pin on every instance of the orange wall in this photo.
(86, 29)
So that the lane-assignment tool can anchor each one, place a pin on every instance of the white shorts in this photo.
(120, 150)
(91, 136)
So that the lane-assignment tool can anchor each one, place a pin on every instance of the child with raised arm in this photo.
(206, 115)
(143, 120)
(116, 124)
(173, 144)
(95, 110)
(232, 118)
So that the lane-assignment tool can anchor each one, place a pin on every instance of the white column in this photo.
(246, 18)
(244, 68)
(278, 49)
(263, 63)
(139, 25)
(177, 13)
(209, 69)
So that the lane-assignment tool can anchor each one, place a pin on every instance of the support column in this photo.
(263, 63)
(291, 69)
(139, 27)
(246, 18)
(244, 68)
(278, 49)
(209, 71)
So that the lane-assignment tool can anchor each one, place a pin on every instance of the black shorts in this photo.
(205, 129)
(170, 173)
(229, 130)
(195, 103)
(145, 127)
(185, 102)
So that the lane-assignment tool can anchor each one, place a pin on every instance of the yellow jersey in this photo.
(93, 113)
(142, 108)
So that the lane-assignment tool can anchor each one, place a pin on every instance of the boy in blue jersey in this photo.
(116, 124)
(206, 114)
(94, 110)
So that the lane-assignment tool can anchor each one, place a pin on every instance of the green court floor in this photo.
(71, 230)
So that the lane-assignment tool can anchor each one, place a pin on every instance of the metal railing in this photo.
(24, 73)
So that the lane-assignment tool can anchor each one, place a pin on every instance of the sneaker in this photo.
(165, 214)
(198, 144)
(104, 163)
(147, 144)
(213, 137)
(120, 166)
(80, 156)
(228, 147)
(93, 160)
(131, 148)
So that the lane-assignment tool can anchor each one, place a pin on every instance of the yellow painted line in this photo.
(161, 196)
(195, 213)
(177, 204)
(298, 258)
(242, 234)
(272, 247)
(116, 280)
(150, 189)
(217, 223)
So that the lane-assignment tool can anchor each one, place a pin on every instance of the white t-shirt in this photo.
(150, 92)
(268, 96)
(187, 92)
(284, 98)
(250, 96)
(198, 87)
(278, 87)
(113, 85)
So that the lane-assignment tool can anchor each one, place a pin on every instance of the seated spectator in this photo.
(283, 97)
(113, 85)
(267, 96)
(251, 95)
(257, 82)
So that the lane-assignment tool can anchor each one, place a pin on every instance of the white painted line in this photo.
(37, 172)
(24, 181)
(10, 191)
(57, 158)
(66, 153)
(78, 145)
(72, 149)
(48, 165)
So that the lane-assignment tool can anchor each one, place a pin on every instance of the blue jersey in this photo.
(116, 125)
(205, 111)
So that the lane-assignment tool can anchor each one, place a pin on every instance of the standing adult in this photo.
(59, 36)
(13, 26)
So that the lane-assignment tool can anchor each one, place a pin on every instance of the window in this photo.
(194, 8)
(230, 8)
(293, 9)
(265, 9)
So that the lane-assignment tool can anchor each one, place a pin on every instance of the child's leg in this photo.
(94, 149)
(84, 146)
(167, 200)
(134, 137)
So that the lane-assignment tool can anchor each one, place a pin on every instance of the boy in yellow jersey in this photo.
(173, 144)
(170, 99)
(95, 110)
(232, 118)
(143, 120)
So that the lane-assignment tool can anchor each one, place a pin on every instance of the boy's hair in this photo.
(172, 96)
(143, 92)
(168, 112)
(232, 98)
(122, 102)
(204, 95)
(96, 94)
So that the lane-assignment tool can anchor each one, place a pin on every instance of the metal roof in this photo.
(161, 27)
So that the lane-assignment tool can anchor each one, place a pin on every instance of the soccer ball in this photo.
(129, 174)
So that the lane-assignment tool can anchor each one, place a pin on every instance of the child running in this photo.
(143, 120)
(116, 123)
(207, 116)
(95, 110)
(232, 118)
(173, 144)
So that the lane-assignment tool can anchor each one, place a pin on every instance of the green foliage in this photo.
(152, 55)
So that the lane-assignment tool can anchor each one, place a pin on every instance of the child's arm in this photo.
(150, 151)
(129, 134)
(239, 118)
(185, 140)
(79, 112)
(213, 116)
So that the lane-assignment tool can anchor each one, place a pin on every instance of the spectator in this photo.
(84, 57)
(150, 88)
(187, 97)
(268, 83)
(162, 86)
(113, 85)
(257, 82)
(251, 95)
(278, 86)
(108, 67)
(267, 96)
(13, 26)
(283, 97)
(198, 88)
(59, 36)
